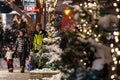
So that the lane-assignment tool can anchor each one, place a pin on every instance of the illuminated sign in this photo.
(29, 5)
(30, 8)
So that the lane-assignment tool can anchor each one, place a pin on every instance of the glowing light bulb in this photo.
(99, 35)
(85, 64)
(111, 45)
(118, 52)
(81, 4)
(112, 76)
(118, 16)
(115, 4)
(96, 39)
(112, 50)
(115, 62)
(114, 59)
(113, 68)
(116, 49)
(96, 26)
(117, 9)
(81, 60)
(90, 30)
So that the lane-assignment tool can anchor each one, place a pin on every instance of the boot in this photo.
(22, 69)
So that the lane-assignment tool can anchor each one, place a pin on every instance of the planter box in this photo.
(40, 74)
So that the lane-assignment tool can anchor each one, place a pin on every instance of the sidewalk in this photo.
(16, 75)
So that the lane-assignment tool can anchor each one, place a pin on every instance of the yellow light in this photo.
(90, 11)
(85, 31)
(90, 30)
(96, 26)
(82, 20)
(118, 52)
(112, 76)
(119, 61)
(84, 25)
(95, 35)
(112, 50)
(118, 0)
(117, 9)
(116, 33)
(114, 59)
(99, 35)
(96, 39)
(67, 11)
(113, 68)
(81, 4)
(111, 45)
(84, 63)
(116, 49)
(116, 39)
(115, 62)
(70, 17)
(81, 60)
(118, 16)
(115, 4)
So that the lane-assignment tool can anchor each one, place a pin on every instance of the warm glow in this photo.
(117, 10)
(115, 4)
(111, 45)
(118, 52)
(113, 68)
(67, 11)
(114, 58)
(112, 76)
(118, 16)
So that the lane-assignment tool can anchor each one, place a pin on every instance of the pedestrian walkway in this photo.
(16, 63)
(16, 75)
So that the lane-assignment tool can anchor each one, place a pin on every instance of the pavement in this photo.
(16, 75)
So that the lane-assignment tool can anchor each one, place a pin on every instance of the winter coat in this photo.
(9, 55)
(22, 44)
(1, 34)
(38, 39)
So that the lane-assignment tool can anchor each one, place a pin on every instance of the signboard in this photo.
(29, 5)
(30, 8)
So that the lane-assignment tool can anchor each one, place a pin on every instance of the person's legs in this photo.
(23, 62)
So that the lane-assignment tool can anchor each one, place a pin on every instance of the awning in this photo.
(4, 8)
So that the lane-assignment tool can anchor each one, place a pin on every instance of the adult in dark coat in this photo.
(22, 48)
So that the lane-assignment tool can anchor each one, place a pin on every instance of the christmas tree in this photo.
(86, 51)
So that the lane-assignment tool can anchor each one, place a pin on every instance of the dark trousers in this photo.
(22, 57)
(10, 65)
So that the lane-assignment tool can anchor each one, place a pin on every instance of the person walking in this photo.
(22, 48)
(9, 58)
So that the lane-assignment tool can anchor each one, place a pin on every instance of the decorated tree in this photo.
(88, 50)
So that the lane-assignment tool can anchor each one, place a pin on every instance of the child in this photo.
(9, 58)
(30, 63)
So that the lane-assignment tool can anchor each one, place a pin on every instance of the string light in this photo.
(111, 45)
(115, 62)
(115, 4)
(112, 50)
(114, 58)
(81, 60)
(118, 16)
(113, 68)
(112, 76)
(117, 10)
